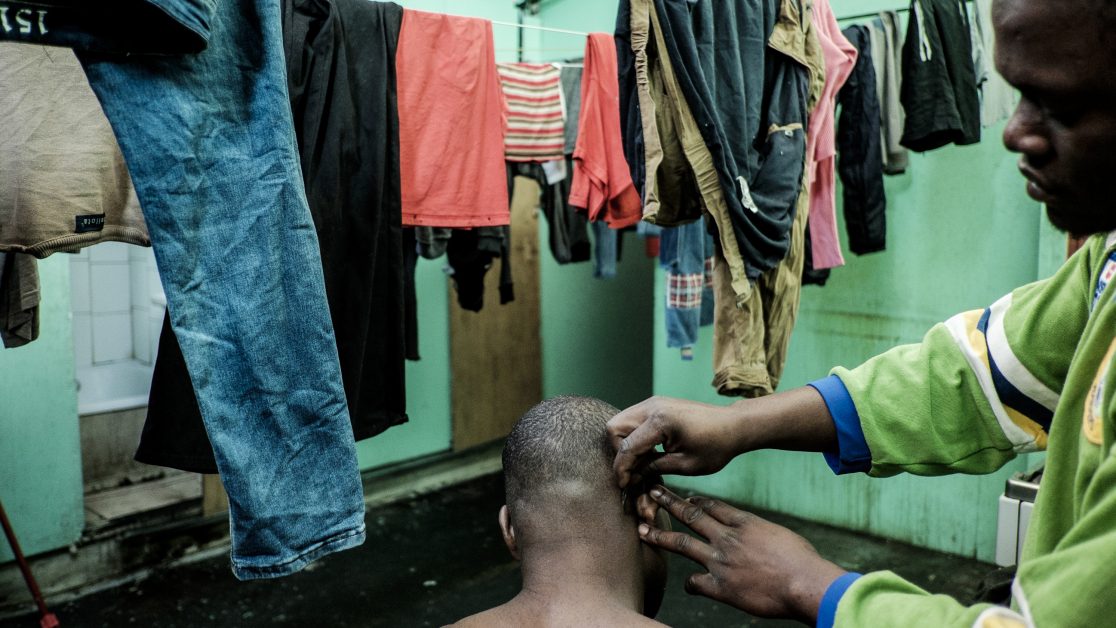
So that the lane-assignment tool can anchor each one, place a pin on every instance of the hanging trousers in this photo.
(210, 144)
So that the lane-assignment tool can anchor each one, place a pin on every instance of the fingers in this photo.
(678, 543)
(722, 512)
(633, 445)
(691, 512)
(647, 509)
(702, 584)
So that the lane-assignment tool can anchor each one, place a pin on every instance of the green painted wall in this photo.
(597, 334)
(40, 447)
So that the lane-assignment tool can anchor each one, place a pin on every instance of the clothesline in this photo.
(541, 28)
(864, 16)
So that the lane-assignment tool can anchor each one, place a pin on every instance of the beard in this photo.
(1080, 223)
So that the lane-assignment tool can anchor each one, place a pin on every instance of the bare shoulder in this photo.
(640, 620)
(495, 618)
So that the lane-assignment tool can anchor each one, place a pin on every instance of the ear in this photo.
(508, 532)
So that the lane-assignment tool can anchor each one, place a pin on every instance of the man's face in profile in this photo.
(1061, 56)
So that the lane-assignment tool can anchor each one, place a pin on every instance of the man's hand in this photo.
(752, 564)
(700, 438)
(697, 438)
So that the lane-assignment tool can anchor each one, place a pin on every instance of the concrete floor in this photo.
(433, 560)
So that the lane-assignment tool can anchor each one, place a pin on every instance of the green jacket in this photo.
(1031, 372)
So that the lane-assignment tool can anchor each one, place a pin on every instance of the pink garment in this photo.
(821, 139)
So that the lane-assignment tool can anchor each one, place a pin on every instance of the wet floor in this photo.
(433, 560)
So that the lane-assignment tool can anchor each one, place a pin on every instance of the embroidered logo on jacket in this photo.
(1092, 425)
(1106, 276)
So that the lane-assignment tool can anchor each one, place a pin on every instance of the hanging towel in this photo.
(536, 130)
(602, 183)
(451, 123)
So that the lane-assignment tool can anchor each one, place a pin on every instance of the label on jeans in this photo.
(88, 223)
(18, 20)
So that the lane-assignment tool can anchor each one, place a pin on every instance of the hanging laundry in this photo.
(750, 342)
(63, 182)
(840, 58)
(342, 83)
(606, 250)
(471, 253)
(939, 90)
(19, 299)
(673, 152)
(536, 128)
(410, 294)
(887, 59)
(751, 338)
(686, 256)
(210, 144)
(346, 132)
(174, 434)
(752, 153)
(859, 156)
(630, 116)
(451, 123)
(568, 229)
(167, 27)
(571, 98)
(651, 236)
(811, 276)
(602, 183)
(997, 98)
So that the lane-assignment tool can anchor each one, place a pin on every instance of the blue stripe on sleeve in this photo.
(1007, 392)
(852, 453)
(827, 614)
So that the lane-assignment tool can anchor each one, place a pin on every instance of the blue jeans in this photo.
(683, 252)
(607, 250)
(210, 144)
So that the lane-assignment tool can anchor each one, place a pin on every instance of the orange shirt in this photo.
(451, 123)
(602, 182)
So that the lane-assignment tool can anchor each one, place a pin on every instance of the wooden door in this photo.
(496, 354)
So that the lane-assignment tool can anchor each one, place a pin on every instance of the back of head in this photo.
(558, 457)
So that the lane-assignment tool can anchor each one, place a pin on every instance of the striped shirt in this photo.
(536, 116)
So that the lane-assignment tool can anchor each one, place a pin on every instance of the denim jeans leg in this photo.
(607, 253)
(210, 144)
(682, 255)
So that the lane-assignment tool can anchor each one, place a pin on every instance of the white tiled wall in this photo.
(117, 303)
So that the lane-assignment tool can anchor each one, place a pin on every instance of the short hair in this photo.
(558, 442)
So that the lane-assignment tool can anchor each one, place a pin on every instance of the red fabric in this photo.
(451, 123)
(602, 183)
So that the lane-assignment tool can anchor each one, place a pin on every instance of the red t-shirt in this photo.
(451, 123)
(602, 183)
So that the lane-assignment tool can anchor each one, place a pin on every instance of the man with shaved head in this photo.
(571, 526)
(1031, 372)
